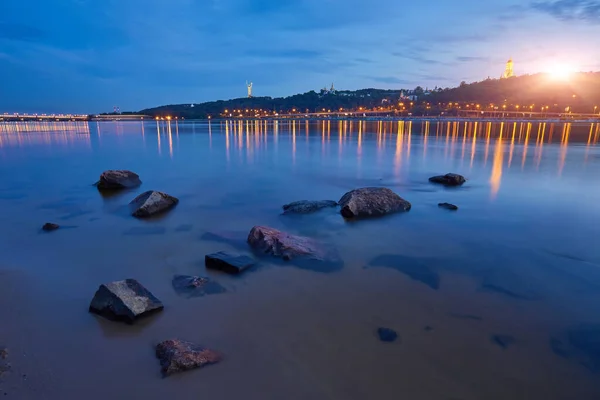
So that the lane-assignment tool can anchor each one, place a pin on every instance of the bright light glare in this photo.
(560, 71)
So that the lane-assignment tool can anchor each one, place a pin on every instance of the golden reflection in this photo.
(227, 140)
(408, 140)
(294, 142)
(359, 147)
(158, 136)
(170, 140)
(512, 143)
(563, 148)
(540, 146)
(497, 167)
(398, 156)
(425, 136)
(488, 134)
(596, 133)
(527, 133)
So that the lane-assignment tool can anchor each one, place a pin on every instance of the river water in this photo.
(514, 313)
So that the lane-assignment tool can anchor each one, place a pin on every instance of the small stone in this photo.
(125, 300)
(448, 179)
(49, 227)
(3, 353)
(228, 262)
(152, 202)
(386, 334)
(371, 202)
(177, 356)
(428, 328)
(118, 179)
(196, 286)
(307, 206)
(503, 340)
(448, 206)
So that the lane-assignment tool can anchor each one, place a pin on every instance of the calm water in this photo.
(515, 314)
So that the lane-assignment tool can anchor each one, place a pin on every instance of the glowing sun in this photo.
(560, 71)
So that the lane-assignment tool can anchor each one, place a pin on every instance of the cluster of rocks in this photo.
(128, 300)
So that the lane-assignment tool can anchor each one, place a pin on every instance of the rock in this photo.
(227, 262)
(307, 206)
(177, 356)
(371, 202)
(448, 206)
(508, 283)
(280, 244)
(387, 335)
(49, 227)
(124, 300)
(3, 353)
(503, 340)
(412, 267)
(4, 366)
(448, 179)
(152, 202)
(428, 328)
(118, 179)
(195, 286)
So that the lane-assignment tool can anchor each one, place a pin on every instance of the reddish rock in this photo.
(280, 244)
(152, 202)
(118, 179)
(178, 356)
(371, 202)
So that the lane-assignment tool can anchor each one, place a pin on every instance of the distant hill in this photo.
(580, 92)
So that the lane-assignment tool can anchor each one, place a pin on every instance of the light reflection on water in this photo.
(519, 258)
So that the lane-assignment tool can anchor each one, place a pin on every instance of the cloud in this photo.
(471, 58)
(285, 53)
(389, 80)
(570, 10)
(20, 32)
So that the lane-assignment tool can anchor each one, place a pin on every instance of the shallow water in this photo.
(498, 300)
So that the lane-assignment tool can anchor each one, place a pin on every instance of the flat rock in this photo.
(448, 179)
(371, 202)
(412, 267)
(228, 262)
(308, 206)
(448, 206)
(125, 300)
(387, 334)
(152, 202)
(118, 179)
(49, 227)
(280, 244)
(196, 286)
(178, 356)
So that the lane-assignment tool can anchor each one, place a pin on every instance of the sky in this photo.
(87, 56)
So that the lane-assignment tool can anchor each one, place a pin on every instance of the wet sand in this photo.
(286, 332)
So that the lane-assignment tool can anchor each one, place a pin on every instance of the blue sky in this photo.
(90, 55)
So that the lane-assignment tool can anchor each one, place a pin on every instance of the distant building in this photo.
(508, 70)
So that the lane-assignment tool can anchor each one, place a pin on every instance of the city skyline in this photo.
(84, 57)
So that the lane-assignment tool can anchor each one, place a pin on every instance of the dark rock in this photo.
(448, 206)
(3, 353)
(152, 202)
(118, 179)
(412, 267)
(177, 356)
(386, 334)
(124, 300)
(307, 206)
(227, 262)
(371, 202)
(448, 179)
(428, 328)
(503, 340)
(49, 227)
(280, 244)
(4, 366)
(196, 286)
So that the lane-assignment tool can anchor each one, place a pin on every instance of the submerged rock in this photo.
(118, 179)
(177, 356)
(448, 206)
(448, 179)
(280, 244)
(371, 202)
(412, 267)
(3, 353)
(387, 334)
(503, 340)
(308, 206)
(152, 202)
(125, 300)
(49, 227)
(196, 286)
(228, 262)
(4, 366)
(508, 283)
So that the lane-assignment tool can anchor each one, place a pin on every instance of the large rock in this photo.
(177, 356)
(448, 206)
(152, 202)
(196, 286)
(448, 179)
(280, 244)
(49, 227)
(371, 202)
(118, 179)
(124, 300)
(307, 206)
(228, 262)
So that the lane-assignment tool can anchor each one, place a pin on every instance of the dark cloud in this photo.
(20, 32)
(570, 10)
